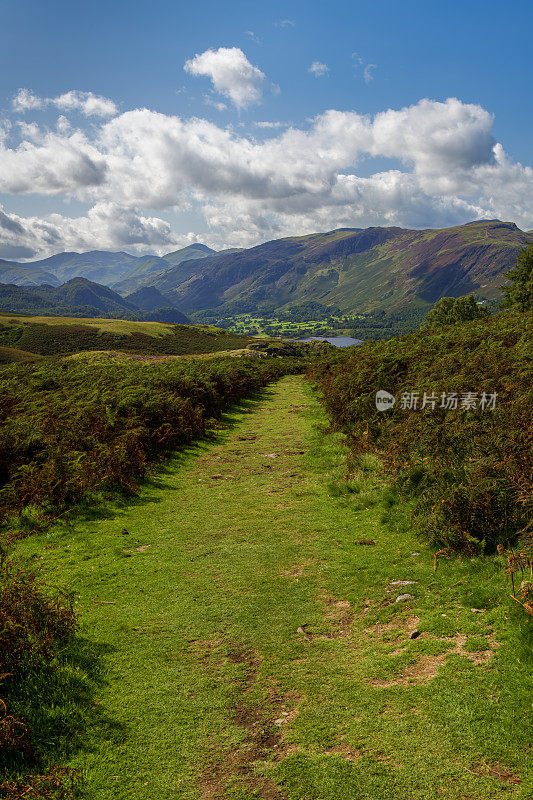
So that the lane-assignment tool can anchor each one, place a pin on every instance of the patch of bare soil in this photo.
(339, 614)
(142, 549)
(427, 666)
(297, 570)
(404, 625)
(495, 770)
(344, 750)
(264, 739)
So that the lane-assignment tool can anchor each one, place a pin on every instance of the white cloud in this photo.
(359, 62)
(252, 36)
(267, 124)
(231, 73)
(367, 72)
(25, 100)
(105, 226)
(285, 23)
(87, 103)
(51, 162)
(218, 104)
(318, 69)
(283, 182)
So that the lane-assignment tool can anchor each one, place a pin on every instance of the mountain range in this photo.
(80, 297)
(374, 269)
(390, 269)
(98, 266)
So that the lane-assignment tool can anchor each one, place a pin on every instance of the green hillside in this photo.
(390, 269)
(82, 298)
(100, 266)
(25, 274)
(188, 253)
(49, 336)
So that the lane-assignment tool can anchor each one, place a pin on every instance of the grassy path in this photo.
(250, 647)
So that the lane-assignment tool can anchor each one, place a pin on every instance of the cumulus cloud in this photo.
(91, 105)
(51, 162)
(87, 103)
(231, 73)
(25, 100)
(318, 69)
(287, 181)
(105, 226)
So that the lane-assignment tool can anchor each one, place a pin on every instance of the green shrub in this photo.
(69, 427)
(470, 471)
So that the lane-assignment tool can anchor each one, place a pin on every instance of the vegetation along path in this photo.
(249, 615)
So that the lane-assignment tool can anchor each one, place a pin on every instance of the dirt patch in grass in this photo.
(495, 770)
(297, 570)
(346, 752)
(405, 625)
(339, 614)
(427, 666)
(265, 738)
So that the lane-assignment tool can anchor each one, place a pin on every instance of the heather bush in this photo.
(470, 471)
(69, 427)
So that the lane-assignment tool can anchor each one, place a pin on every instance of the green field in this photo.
(240, 640)
(102, 325)
(51, 336)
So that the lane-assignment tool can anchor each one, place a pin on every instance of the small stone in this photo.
(477, 610)
(415, 554)
(414, 634)
(279, 721)
(402, 597)
(402, 583)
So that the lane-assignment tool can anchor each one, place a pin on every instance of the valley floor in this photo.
(251, 645)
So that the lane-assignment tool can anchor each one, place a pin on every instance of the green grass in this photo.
(49, 336)
(12, 355)
(118, 326)
(193, 680)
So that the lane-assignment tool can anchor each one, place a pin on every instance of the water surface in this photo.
(338, 341)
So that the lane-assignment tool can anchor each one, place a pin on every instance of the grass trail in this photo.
(249, 647)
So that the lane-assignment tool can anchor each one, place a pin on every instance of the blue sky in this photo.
(63, 184)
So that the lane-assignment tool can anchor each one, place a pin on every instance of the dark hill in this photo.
(149, 298)
(77, 297)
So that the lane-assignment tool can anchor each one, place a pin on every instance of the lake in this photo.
(338, 341)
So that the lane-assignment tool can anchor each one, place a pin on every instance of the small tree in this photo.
(451, 310)
(519, 292)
